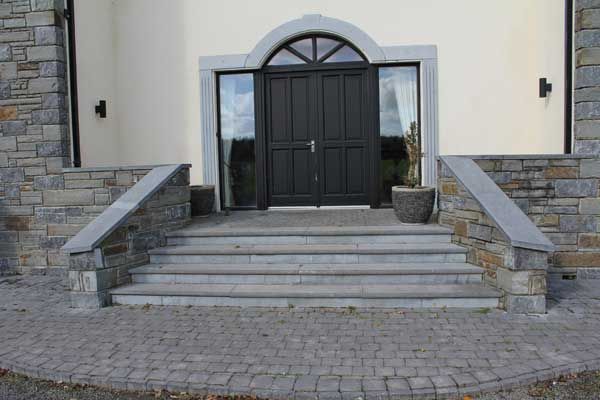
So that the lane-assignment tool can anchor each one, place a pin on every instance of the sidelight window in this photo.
(237, 140)
(398, 118)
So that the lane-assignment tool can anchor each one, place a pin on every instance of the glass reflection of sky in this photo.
(389, 115)
(237, 106)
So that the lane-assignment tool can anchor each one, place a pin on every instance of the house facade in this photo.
(219, 88)
(303, 106)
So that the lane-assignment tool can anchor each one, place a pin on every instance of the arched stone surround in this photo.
(425, 55)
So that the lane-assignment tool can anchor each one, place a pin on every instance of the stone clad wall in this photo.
(587, 77)
(76, 198)
(93, 273)
(520, 273)
(561, 195)
(34, 142)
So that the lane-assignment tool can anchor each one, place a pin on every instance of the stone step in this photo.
(419, 273)
(313, 254)
(311, 235)
(248, 295)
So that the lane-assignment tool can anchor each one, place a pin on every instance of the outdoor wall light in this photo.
(545, 87)
(101, 109)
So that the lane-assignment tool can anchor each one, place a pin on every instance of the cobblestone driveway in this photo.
(305, 353)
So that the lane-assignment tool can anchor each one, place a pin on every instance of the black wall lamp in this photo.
(101, 109)
(545, 87)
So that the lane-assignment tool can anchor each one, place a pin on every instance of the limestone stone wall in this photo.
(519, 272)
(560, 194)
(34, 142)
(93, 273)
(587, 77)
(70, 202)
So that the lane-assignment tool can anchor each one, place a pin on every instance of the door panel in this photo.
(333, 169)
(353, 100)
(290, 120)
(302, 164)
(330, 108)
(279, 177)
(342, 137)
(355, 165)
(278, 112)
(300, 103)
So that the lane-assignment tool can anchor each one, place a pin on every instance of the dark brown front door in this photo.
(317, 142)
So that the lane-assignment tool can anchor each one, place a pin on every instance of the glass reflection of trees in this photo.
(238, 158)
(398, 104)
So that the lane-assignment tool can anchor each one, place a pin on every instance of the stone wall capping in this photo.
(517, 227)
(107, 222)
(123, 168)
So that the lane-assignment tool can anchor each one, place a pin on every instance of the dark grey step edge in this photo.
(457, 291)
(313, 231)
(309, 269)
(412, 248)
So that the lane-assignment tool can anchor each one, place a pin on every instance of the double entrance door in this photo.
(317, 138)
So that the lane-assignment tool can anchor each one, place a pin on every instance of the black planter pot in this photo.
(413, 205)
(202, 200)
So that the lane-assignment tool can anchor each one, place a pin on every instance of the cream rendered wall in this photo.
(96, 79)
(491, 54)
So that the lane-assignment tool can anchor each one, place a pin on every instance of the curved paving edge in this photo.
(442, 392)
(297, 353)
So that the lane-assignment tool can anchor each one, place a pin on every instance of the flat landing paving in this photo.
(303, 219)
(296, 353)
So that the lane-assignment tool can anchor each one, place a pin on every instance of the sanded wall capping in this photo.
(102, 253)
(499, 236)
(587, 77)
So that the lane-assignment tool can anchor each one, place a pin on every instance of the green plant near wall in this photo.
(413, 148)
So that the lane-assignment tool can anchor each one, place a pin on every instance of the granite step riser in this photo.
(309, 279)
(262, 240)
(306, 258)
(165, 300)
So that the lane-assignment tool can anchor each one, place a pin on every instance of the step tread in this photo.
(310, 269)
(404, 248)
(208, 231)
(436, 291)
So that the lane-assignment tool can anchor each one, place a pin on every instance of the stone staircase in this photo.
(320, 266)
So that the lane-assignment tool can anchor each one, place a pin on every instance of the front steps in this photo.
(360, 266)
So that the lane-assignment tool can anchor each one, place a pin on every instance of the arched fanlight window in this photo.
(315, 50)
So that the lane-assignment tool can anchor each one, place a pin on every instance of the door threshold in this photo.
(303, 208)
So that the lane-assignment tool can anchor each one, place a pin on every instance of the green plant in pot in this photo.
(413, 204)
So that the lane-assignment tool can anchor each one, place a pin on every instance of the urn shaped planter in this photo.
(413, 205)
(202, 200)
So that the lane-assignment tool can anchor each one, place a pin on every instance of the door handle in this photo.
(312, 146)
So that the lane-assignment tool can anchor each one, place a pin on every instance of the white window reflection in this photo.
(284, 57)
(236, 105)
(398, 109)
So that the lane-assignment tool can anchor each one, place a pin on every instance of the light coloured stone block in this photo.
(590, 206)
(40, 18)
(8, 71)
(76, 197)
(516, 304)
